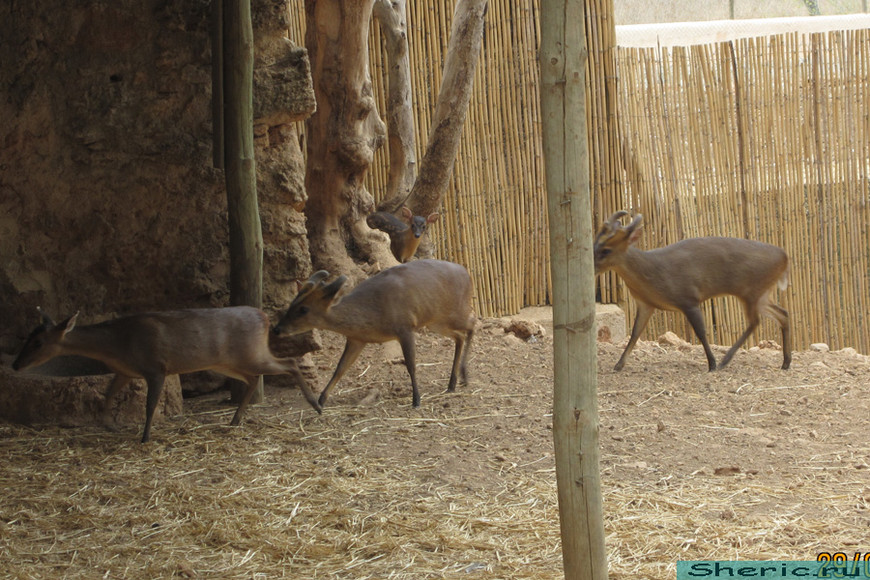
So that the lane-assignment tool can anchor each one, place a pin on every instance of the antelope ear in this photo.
(306, 288)
(634, 228)
(68, 324)
(407, 213)
(433, 217)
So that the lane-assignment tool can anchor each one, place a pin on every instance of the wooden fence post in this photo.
(243, 214)
(563, 61)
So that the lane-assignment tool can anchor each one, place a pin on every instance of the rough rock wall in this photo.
(108, 199)
(283, 94)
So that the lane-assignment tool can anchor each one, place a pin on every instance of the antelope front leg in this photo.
(294, 371)
(733, 350)
(753, 318)
(640, 321)
(352, 350)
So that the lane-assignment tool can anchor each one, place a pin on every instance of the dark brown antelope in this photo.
(232, 341)
(681, 276)
(389, 306)
(405, 236)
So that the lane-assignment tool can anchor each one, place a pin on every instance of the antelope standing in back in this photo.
(232, 341)
(405, 236)
(389, 306)
(683, 275)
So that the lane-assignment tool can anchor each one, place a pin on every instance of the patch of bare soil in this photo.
(750, 462)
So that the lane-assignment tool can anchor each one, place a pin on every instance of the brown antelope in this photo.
(232, 341)
(683, 275)
(389, 306)
(405, 236)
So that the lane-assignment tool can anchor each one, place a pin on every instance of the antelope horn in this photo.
(635, 223)
(308, 287)
(613, 222)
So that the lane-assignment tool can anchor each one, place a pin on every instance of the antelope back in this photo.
(432, 293)
(420, 293)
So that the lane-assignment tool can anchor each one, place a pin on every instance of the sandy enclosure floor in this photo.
(746, 463)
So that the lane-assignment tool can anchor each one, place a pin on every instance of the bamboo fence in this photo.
(766, 138)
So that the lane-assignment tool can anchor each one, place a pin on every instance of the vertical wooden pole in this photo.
(563, 61)
(246, 236)
(217, 82)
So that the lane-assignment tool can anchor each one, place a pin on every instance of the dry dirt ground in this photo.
(750, 462)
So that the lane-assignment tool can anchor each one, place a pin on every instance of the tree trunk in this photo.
(402, 142)
(460, 66)
(563, 61)
(246, 238)
(343, 136)
(346, 130)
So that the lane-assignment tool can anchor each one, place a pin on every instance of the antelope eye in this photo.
(303, 310)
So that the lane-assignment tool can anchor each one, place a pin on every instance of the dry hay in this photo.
(464, 487)
(220, 502)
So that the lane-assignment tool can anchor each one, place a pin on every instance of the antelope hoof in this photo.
(315, 404)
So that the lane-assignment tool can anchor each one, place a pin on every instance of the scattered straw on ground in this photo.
(462, 488)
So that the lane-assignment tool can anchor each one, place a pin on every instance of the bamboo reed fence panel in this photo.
(764, 138)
